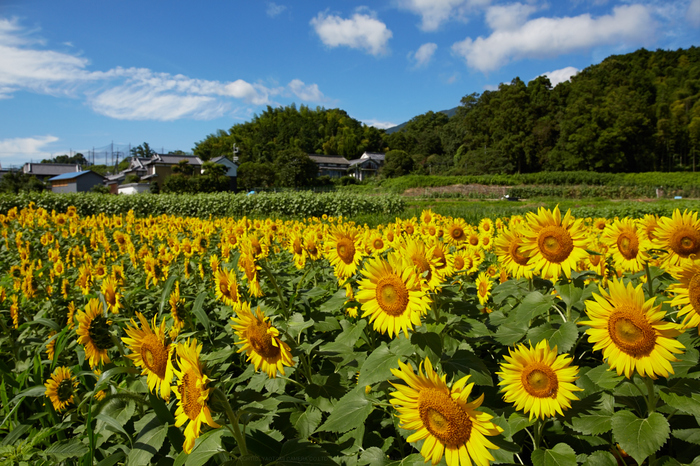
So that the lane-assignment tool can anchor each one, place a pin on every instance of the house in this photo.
(334, 166)
(133, 188)
(75, 182)
(231, 172)
(160, 166)
(43, 171)
(367, 165)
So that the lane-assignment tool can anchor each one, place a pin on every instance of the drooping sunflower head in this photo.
(631, 332)
(443, 417)
(94, 333)
(261, 342)
(60, 388)
(227, 287)
(152, 351)
(538, 381)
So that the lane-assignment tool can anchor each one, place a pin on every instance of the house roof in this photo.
(221, 159)
(373, 156)
(337, 159)
(174, 159)
(68, 176)
(50, 169)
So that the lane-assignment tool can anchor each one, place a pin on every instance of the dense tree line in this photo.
(630, 113)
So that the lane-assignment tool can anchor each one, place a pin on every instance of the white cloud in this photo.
(424, 54)
(379, 124)
(559, 76)
(508, 17)
(548, 37)
(362, 31)
(28, 147)
(274, 9)
(125, 93)
(310, 93)
(693, 13)
(435, 12)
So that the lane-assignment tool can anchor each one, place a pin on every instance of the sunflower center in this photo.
(457, 233)
(189, 396)
(594, 259)
(474, 240)
(439, 254)
(685, 241)
(99, 333)
(518, 257)
(111, 297)
(422, 265)
(154, 355)
(409, 229)
(346, 250)
(631, 333)
(223, 287)
(378, 243)
(483, 289)
(261, 341)
(392, 295)
(540, 381)
(459, 263)
(444, 418)
(555, 243)
(297, 247)
(64, 389)
(628, 245)
(694, 291)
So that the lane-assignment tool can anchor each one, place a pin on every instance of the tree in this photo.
(78, 158)
(253, 175)
(183, 167)
(143, 151)
(295, 169)
(397, 163)
(15, 182)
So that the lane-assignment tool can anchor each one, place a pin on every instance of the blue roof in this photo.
(70, 175)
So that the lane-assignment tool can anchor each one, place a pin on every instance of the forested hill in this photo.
(630, 113)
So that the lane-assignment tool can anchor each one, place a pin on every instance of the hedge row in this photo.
(287, 204)
(679, 181)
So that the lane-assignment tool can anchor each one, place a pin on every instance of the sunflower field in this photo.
(537, 339)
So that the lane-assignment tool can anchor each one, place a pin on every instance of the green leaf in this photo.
(299, 452)
(428, 339)
(373, 456)
(165, 296)
(307, 422)
(148, 443)
(592, 424)
(563, 336)
(377, 366)
(603, 377)
(688, 435)
(112, 459)
(347, 338)
(297, 324)
(640, 437)
(67, 449)
(207, 446)
(518, 422)
(198, 310)
(682, 394)
(511, 333)
(469, 363)
(534, 305)
(561, 455)
(110, 421)
(349, 412)
(38, 390)
(600, 458)
(335, 303)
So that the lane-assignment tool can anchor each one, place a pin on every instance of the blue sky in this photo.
(79, 74)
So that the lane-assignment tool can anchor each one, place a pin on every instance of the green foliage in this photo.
(397, 163)
(142, 151)
(295, 169)
(16, 182)
(252, 175)
(78, 158)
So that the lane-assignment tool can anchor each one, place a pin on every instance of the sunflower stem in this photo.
(650, 280)
(233, 420)
(651, 396)
(269, 274)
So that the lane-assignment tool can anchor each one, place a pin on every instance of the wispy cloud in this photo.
(379, 124)
(274, 9)
(693, 13)
(127, 93)
(434, 13)
(361, 31)
(28, 147)
(423, 55)
(513, 39)
(559, 76)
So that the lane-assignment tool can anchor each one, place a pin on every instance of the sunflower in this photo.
(486, 226)
(14, 311)
(247, 265)
(344, 250)
(296, 247)
(260, 340)
(537, 381)
(423, 259)
(391, 295)
(679, 235)
(508, 246)
(111, 294)
(631, 332)
(60, 388)
(442, 417)
(71, 312)
(554, 244)
(51, 345)
(457, 231)
(151, 351)
(93, 333)
(687, 292)
(626, 246)
(177, 308)
(227, 287)
(483, 288)
(192, 393)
